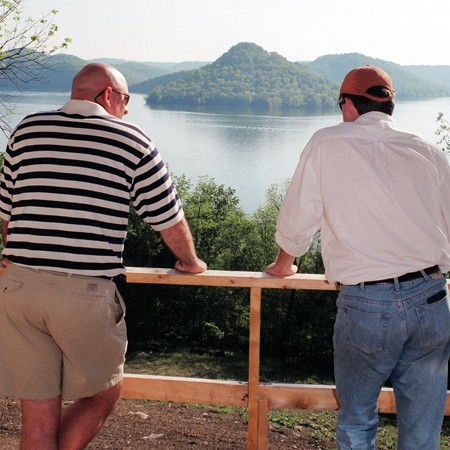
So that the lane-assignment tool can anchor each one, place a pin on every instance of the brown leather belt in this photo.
(406, 276)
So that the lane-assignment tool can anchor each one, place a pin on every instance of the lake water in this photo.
(245, 152)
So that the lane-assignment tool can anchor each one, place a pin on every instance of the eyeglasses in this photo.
(126, 97)
(341, 102)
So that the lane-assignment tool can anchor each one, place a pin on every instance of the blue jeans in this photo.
(390, 330)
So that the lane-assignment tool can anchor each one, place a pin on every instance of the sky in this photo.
(402, 31)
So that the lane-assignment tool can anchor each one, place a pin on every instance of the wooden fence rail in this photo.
(257, 397)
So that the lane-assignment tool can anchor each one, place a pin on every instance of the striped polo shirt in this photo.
(66, 186)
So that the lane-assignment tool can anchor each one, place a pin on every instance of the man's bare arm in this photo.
(179, 239)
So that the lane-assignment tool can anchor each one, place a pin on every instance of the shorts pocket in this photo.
(366, 331)
(120, 305)
(434, 320)
(8, 286)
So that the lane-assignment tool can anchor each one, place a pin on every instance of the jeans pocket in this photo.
(366, 331)
(434, 320)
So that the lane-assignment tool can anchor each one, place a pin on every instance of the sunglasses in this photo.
(126, 97)
(341, 102)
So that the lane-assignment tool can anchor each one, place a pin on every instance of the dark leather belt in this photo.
(406, 277)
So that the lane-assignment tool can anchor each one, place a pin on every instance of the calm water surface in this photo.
(245, 152)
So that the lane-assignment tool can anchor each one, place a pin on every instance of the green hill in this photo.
(52, 74)
(410, 82)
(438, 74)
(138, 72)
(245, 76)
(55, 73)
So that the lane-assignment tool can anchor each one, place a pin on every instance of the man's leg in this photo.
(40, 422)
(365, 336)
(81, 422)
(421, 375)
(420, 394)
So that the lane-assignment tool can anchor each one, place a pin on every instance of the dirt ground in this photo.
(139, 425)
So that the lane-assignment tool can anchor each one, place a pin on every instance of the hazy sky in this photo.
(402, 31)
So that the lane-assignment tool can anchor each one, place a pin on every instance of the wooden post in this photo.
(254, 421)
(263, 424)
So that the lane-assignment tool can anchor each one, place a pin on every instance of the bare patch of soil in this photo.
(142, 425)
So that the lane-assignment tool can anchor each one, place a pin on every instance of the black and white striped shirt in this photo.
(66, 186)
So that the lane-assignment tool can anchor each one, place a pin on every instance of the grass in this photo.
(234, 367)
(227, 367)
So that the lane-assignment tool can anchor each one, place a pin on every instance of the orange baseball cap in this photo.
(359, 80)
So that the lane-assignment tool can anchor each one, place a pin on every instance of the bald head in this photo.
(94, 78)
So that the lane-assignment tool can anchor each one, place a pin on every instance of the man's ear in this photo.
(105, 97)
(349, 111)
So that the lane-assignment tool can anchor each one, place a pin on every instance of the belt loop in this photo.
(396, 285)
(426, 277)
(361, 286)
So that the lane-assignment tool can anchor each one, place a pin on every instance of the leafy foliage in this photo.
(24, 47)
(444, 132)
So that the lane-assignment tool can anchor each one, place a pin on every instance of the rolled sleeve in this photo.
(302, 209)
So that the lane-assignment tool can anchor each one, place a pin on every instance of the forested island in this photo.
(247, 76)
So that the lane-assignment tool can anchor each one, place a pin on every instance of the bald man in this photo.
(66, 185)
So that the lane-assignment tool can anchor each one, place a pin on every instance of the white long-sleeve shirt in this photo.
(380, 195)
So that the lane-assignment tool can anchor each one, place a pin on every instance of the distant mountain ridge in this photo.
(58, 71)
(410, 82)
(247, 75)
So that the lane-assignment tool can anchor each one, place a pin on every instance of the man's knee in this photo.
(107, 398)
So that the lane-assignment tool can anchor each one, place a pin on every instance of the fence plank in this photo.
(185, 390)
(228, 279)
(235, 393)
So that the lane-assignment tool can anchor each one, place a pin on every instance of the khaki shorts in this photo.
(59, 334)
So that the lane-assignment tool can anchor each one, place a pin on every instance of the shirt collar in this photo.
(374, 116)
(84, 107)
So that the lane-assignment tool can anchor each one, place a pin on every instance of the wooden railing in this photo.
(257, 397)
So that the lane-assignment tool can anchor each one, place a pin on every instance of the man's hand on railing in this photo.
(283, 265)
(196, 266)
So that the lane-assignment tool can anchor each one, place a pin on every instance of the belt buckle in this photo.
(436, 275)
